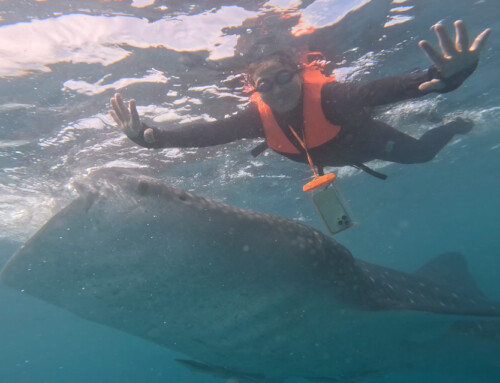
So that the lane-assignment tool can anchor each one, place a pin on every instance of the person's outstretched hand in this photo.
(454, 59)
(128, 119)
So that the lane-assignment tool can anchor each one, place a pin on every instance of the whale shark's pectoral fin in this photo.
(352, 377)
(224, 373)
(358, 376)
(328, 380)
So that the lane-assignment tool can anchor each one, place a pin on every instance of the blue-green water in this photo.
(61, 61)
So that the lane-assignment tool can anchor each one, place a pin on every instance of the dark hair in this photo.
(281, 57)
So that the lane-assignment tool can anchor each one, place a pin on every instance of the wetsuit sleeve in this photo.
(389, 90)
(379, 92)
(244, 124)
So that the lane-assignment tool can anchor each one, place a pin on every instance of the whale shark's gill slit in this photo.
(89, 200)
(142, 187)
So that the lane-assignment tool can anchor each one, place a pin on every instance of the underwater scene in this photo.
(189, 252)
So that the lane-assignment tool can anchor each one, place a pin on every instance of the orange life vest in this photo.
(317, 129)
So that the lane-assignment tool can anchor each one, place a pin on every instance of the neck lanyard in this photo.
(302, 143)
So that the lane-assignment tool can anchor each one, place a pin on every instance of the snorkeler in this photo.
(304, 114)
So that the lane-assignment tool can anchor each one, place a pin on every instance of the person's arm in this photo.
(244, 124)
(449, 70)
(383, 91)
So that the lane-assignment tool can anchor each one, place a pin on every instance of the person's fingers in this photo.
(123, 109)
(461, 37)
(429, 86)
(433, 55)
(118, 110)
(480, 40)
(136, 121)
(113, 107)
(115, 117)
(149, 136)
(444, 40)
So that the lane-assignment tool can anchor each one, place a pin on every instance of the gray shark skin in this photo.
(251, 295)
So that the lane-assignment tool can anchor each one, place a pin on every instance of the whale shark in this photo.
(251, 296)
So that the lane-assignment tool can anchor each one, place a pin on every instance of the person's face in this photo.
(279, 86)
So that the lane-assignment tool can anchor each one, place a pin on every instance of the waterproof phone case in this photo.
(332, 208)
(330, 204)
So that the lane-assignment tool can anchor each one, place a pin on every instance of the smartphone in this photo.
(333, 209)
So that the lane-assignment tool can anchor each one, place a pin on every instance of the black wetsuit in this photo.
(348, 105)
